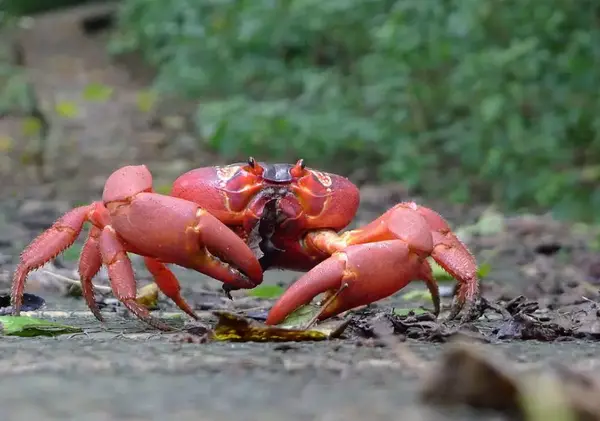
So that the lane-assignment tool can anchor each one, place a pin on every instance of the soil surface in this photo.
(539, 298)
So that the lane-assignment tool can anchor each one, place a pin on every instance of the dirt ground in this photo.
(540, 296)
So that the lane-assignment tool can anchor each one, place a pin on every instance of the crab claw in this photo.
(356, 276)
(375, 261)
(175, 230)
(225, 256)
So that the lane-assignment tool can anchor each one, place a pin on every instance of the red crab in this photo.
(234, 222)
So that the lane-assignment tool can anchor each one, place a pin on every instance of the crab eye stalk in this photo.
(254, 167)
(298, 170)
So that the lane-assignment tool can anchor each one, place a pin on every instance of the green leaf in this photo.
(146, 100)
(266, 291)
(406, 311)
(439, 273)
(484, 270)
(29, 327)
(491, 107)
(148, 296)
(72, 253)
(67, 109)
(299, 317)
(97, 92)
(418, 294)
(31, 126)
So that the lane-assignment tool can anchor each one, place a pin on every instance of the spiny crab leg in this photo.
(168, 284)
(60, 236)
(101, 247)
(90, 262)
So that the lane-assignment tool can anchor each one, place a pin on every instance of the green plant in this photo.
(467, 99)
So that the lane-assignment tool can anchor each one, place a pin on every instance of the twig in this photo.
(101, 288)
(324, 306)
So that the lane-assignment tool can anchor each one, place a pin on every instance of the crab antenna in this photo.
(251, 162)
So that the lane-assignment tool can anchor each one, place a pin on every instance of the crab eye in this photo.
(254, 167)
(299, 169)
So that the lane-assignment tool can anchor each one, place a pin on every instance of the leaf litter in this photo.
(30, 326)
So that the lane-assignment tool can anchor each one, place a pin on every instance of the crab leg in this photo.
(454, 257)
(169, 285)
(49, 244)
(90, 262)
(122, 280)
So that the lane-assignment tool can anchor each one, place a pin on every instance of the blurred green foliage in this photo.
(494, 100)
(30, 7)
(13, 88)
(462, 99)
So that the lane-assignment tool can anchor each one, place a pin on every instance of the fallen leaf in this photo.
(29, 327)
(6, 144)
(266, 291)
(484, 270)
(236, 328)
(97, 92)
(31, 126)
(417, 294)
(300, 316)
(146, 100)
(409, 311)
(148, 296)
(67, 109)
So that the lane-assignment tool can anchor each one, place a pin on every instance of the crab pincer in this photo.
(375, 261)
(356, 276)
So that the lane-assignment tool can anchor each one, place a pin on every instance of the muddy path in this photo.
(540, 293)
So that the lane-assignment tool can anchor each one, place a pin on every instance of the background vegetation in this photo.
(467, 100)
